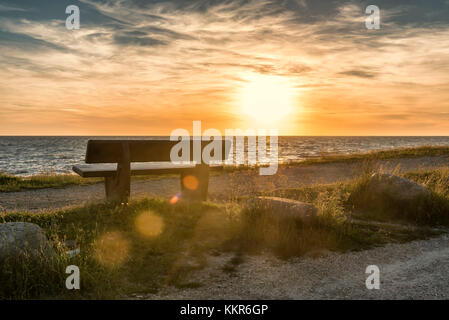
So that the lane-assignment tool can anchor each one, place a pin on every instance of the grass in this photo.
(432, 209)
(10, 183)
(333, 229)
(124, 249)
(416, 152)
(324, 158)
(336, 205)
(354, 197)
(437, 180)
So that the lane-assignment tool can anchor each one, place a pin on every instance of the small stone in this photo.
(17, 238)
(397, 187)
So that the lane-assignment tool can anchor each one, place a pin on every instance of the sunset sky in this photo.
(304, 67)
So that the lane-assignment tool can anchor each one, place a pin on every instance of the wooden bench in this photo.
(118, 160)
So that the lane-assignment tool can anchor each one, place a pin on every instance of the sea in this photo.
(26, 156)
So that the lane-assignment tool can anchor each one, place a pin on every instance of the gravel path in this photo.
(415, 270)
(221, 187)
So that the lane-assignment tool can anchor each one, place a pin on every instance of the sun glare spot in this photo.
(266, 98)
(190, 182)
(175, 198)
(111, 249)
(149, 224)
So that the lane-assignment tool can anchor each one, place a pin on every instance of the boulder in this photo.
(288, 208)
(17, 238)
(398, 188)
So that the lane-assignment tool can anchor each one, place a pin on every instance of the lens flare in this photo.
(111, 249)
(175, 198)
(149, 224)
(190, 182)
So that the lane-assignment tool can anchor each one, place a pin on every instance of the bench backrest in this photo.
(115, 151)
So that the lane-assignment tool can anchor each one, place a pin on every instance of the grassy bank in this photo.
(352, 198)
(431, 209)
(124, 249)
(340, 206)
(140, 247)
(10, 183)
(424, 151)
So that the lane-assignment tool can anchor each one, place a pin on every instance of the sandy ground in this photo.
(416, 270)
(221, 187)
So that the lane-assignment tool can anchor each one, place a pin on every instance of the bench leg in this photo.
(201, 174)
(117, 189)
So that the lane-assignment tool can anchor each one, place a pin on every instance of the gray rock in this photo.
(397, 187)
(287, 208)
(17, 238)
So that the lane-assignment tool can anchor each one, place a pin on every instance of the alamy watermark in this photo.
(73, 20)
(373, 280)
(73, 280)
(373, 20)
(212, 153)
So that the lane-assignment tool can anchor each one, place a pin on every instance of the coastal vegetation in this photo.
(10, 183)
(396, 153)
(149, 243)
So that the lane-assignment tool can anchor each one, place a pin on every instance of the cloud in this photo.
(8, 8)
(359, 73)
(159, 56)
(130, 39)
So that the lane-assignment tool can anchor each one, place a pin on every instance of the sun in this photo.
(267, 98)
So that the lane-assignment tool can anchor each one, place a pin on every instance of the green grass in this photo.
(432, 209)
(437, 180)
(333, 229)
(124, 248)
(324, 158)
(416, 152)
(10, 183)
(354, 196)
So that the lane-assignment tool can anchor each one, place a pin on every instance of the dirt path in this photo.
(416, 270)
(221, 187)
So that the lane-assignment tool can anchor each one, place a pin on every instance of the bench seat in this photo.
(139, 168)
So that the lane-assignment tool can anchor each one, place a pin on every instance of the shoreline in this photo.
(14, 183)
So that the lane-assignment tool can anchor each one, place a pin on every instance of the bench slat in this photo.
(111, 150)
(109, 169)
